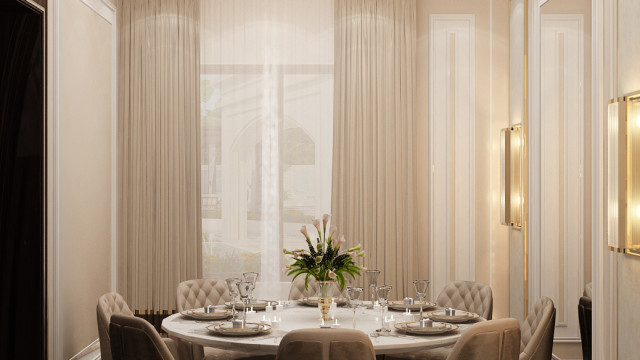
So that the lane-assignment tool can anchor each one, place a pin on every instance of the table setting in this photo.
(257, 325)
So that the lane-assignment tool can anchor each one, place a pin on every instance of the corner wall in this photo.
(80, 107)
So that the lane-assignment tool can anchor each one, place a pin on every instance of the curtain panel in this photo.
(374, 164)
(159, 214)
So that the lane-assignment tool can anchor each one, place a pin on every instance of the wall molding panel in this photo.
(561, 170)
(452, 148)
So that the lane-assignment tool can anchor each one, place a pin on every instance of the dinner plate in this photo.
(401, 306)
(414, 327)
(313, 301)
(199, 314)
(227, 329)
(461, 316)
(256, 304)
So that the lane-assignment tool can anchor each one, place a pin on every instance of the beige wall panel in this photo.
(491, 114)
(628, 266)
(85, 171)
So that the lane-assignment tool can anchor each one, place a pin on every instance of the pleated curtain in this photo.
(374, 163)
(159, 214)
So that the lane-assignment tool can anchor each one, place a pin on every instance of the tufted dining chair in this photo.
(462, 295)
(469, 296)
(297, 290)
(584, 319)
(197, 293)
(326, 344)
(134, 338)
(537, 331)
(109, 304)
(496, 339)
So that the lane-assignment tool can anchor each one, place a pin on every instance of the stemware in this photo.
(244, 289)
(354, 294)
(372, 277)
(251, 277)
(421, 290)
(232, 285)
(383, 297)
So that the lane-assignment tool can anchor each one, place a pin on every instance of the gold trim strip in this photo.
(525, 160)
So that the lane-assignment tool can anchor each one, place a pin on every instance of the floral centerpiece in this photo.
(324, 261)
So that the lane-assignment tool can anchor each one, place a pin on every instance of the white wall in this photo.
(80, 109)
(485, 241)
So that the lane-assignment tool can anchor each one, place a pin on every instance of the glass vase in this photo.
(325, 297)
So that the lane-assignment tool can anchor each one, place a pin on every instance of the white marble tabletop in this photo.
(299, 317)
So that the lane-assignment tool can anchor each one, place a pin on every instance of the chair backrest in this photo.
(495, 339)
(469, 296)
(588, 291)
(537, 331)
(325, 344)
(109, 304)
(297, 290)
(584, 318)
(197, 293)
(134, 338)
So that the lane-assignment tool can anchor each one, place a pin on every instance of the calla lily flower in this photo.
(356, 248)
(303, 230)
(332, 275)
(352, 254)
(341, 241)
(325, 220)
(318, 259)
(332, 230)
(360, 254)
(316, 223)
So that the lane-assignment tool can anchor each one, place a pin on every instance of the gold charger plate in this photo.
(414, 327)
(313, 301)
(199, 314)
(401, 306)
(256, 304)
(461, 316)
(227, 329)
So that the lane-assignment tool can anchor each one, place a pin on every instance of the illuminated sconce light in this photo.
(511, 176)
(632, 243)
(616, 173)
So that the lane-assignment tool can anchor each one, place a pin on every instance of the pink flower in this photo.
(325, 220)
(303, 230)
(352, 254)
(316, 223)
(332, 275)
(340, 241)
(296, 255)
(332, 230)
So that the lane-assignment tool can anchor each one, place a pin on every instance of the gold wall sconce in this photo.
(632, 223)
(511, 176)
(616, 172)
(623, 174)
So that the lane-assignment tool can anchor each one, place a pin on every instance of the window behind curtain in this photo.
(267, 110)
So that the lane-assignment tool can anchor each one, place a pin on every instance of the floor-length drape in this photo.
(374, 167)
(159, 228)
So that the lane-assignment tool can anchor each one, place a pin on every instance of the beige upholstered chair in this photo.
(199, 293)
(298, 291)
(469, 296)
(109, 304)
(537, 331)
(192, 294)
(325, 344)
(134, 338)
(488, 340)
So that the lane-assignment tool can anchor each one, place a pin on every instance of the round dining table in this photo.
(296, 316)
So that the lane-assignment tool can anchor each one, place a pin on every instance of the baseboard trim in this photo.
(95, 344)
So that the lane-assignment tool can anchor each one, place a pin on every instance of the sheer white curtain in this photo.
(267, 125)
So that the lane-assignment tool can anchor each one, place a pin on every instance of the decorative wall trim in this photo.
(561, 180)
(103, 8)
(452, 148)
(88, 349)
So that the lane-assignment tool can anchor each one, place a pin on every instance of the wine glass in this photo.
(354, 294)
(244, 289)
(372, 276)
(383, 296)
(421, 290)
(232, 284)
(251, 277)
